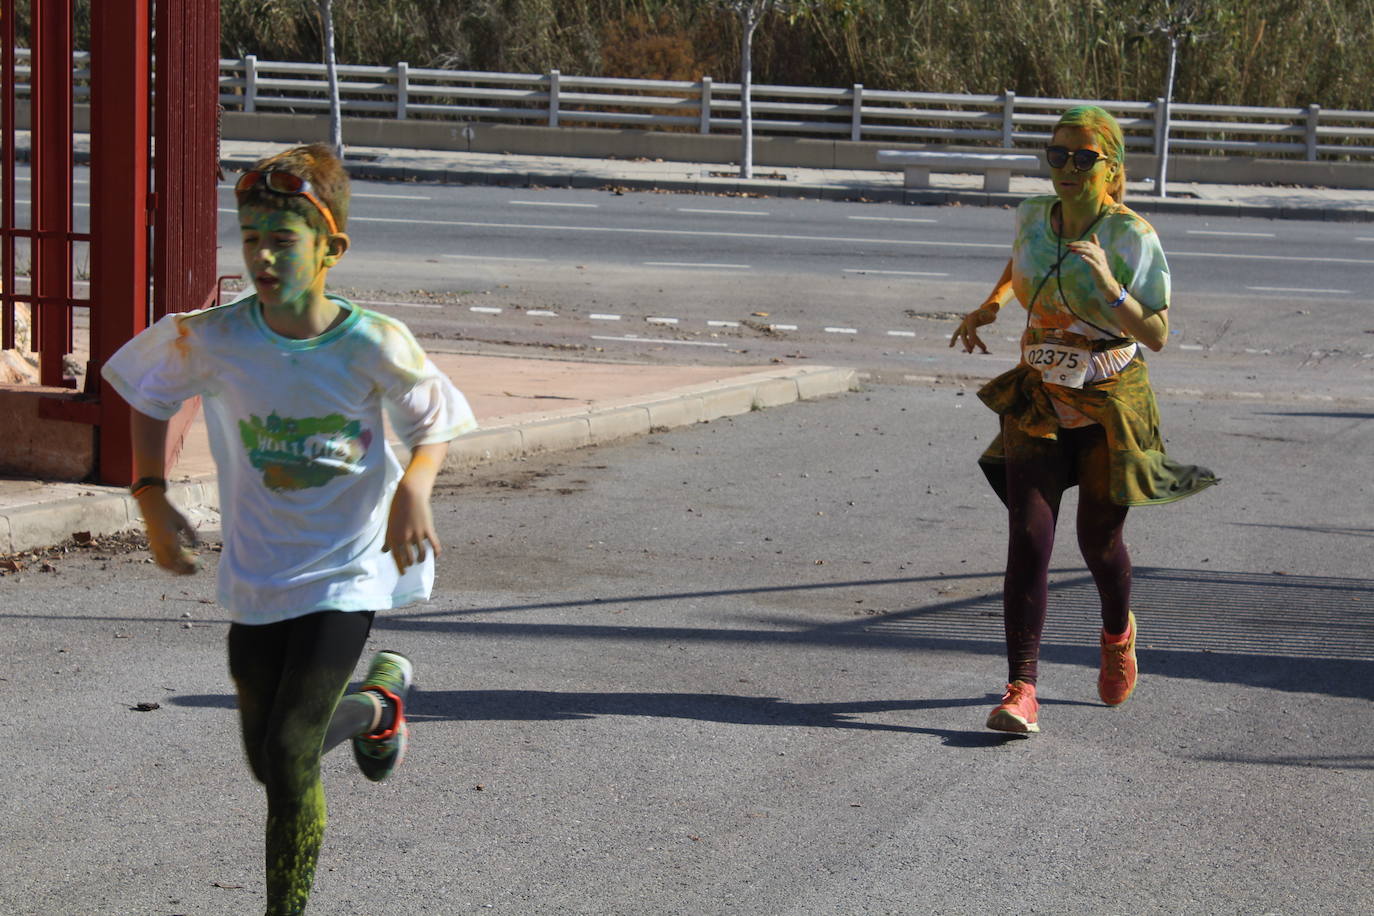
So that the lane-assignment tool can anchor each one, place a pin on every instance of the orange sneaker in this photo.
(1117, 678)
(1018, 712)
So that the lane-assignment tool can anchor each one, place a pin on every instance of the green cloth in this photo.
(1124, 404)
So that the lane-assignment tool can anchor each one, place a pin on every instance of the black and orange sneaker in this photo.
(380, 752)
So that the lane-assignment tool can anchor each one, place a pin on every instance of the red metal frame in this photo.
(153, 223)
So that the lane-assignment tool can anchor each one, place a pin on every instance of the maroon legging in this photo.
(1038, 473)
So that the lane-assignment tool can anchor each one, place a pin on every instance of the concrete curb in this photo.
(680, 407)
(109, 510)
(764, 188)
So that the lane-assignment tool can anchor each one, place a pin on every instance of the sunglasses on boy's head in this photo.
(287, 184)
(1083, 159)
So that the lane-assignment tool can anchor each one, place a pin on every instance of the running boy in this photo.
(321, 526)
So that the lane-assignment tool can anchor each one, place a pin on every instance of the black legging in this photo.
(1038, 472)
(290, 678)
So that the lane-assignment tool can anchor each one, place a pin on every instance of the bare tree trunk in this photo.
(332, 75)
(1162, 167)
(749, 20)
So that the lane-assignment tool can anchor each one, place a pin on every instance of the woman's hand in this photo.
(1095, 256)
(169, 532)
(967, 332)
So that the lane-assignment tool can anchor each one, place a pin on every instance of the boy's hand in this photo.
(169, 533)
(410, 525)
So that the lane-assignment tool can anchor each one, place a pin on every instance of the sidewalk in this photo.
(1266, 202)
(524, 406)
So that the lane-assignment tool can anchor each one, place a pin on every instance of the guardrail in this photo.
(1005, 121)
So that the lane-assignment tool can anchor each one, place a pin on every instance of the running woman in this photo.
(1078, 409)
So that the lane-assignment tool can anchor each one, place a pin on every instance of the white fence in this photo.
(857, 113)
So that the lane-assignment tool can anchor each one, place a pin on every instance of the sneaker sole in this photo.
(1003, 720)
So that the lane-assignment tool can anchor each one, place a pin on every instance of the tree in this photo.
(1177, 21)
(326, 9)
(750, 13)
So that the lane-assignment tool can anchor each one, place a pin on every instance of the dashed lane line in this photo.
(893, 219)
(484, 257)
(723, 212)
(630, 338)
(1298, 289)
(1235, 235)
(553, 203)
(700, 264)
(392, 196)
(602, 316)
(841, 330)
(484, 309)
(404, 305)
(893, 273)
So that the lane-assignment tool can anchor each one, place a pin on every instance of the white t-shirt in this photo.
(295, 427)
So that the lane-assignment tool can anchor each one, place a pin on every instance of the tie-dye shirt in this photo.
(1133, 253)
(1068, 299)
(296, 430)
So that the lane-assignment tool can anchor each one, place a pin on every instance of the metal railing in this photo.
(704, 106)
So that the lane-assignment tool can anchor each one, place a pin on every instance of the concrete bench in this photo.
(996, 167)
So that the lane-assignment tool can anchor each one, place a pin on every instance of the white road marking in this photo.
(722, 324)
(700, 233)
(782, 327)
(598, 316)
(723, 212)
(826, 239)
(552, 203)
(408, 305)
(394, 196)
(483, 257)
(1364, 238)
(1237, 235)
(1191, 347)
(629, 338)
(901, 333)
(541, 313)
(1268, 257)
(661, 320)
(894, 219)
(1298, 289)
(841, 330)
(696, 264)
(484, 310)
(893, 273)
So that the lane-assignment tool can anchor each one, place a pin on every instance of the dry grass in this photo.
(1253, 52)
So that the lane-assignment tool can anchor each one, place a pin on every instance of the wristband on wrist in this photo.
(147, 483)
(1120, 299)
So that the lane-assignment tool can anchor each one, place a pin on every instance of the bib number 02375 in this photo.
(1059, 364)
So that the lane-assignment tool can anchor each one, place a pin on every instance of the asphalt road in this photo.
(742, 668)
(1273, 306)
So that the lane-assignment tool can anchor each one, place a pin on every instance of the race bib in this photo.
(1058, 363)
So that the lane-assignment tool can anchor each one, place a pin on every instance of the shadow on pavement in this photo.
(1305, 634)
(551, 706)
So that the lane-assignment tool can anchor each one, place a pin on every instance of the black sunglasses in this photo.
(1083, 159)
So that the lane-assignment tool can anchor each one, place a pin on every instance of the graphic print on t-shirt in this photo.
(300, 453)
